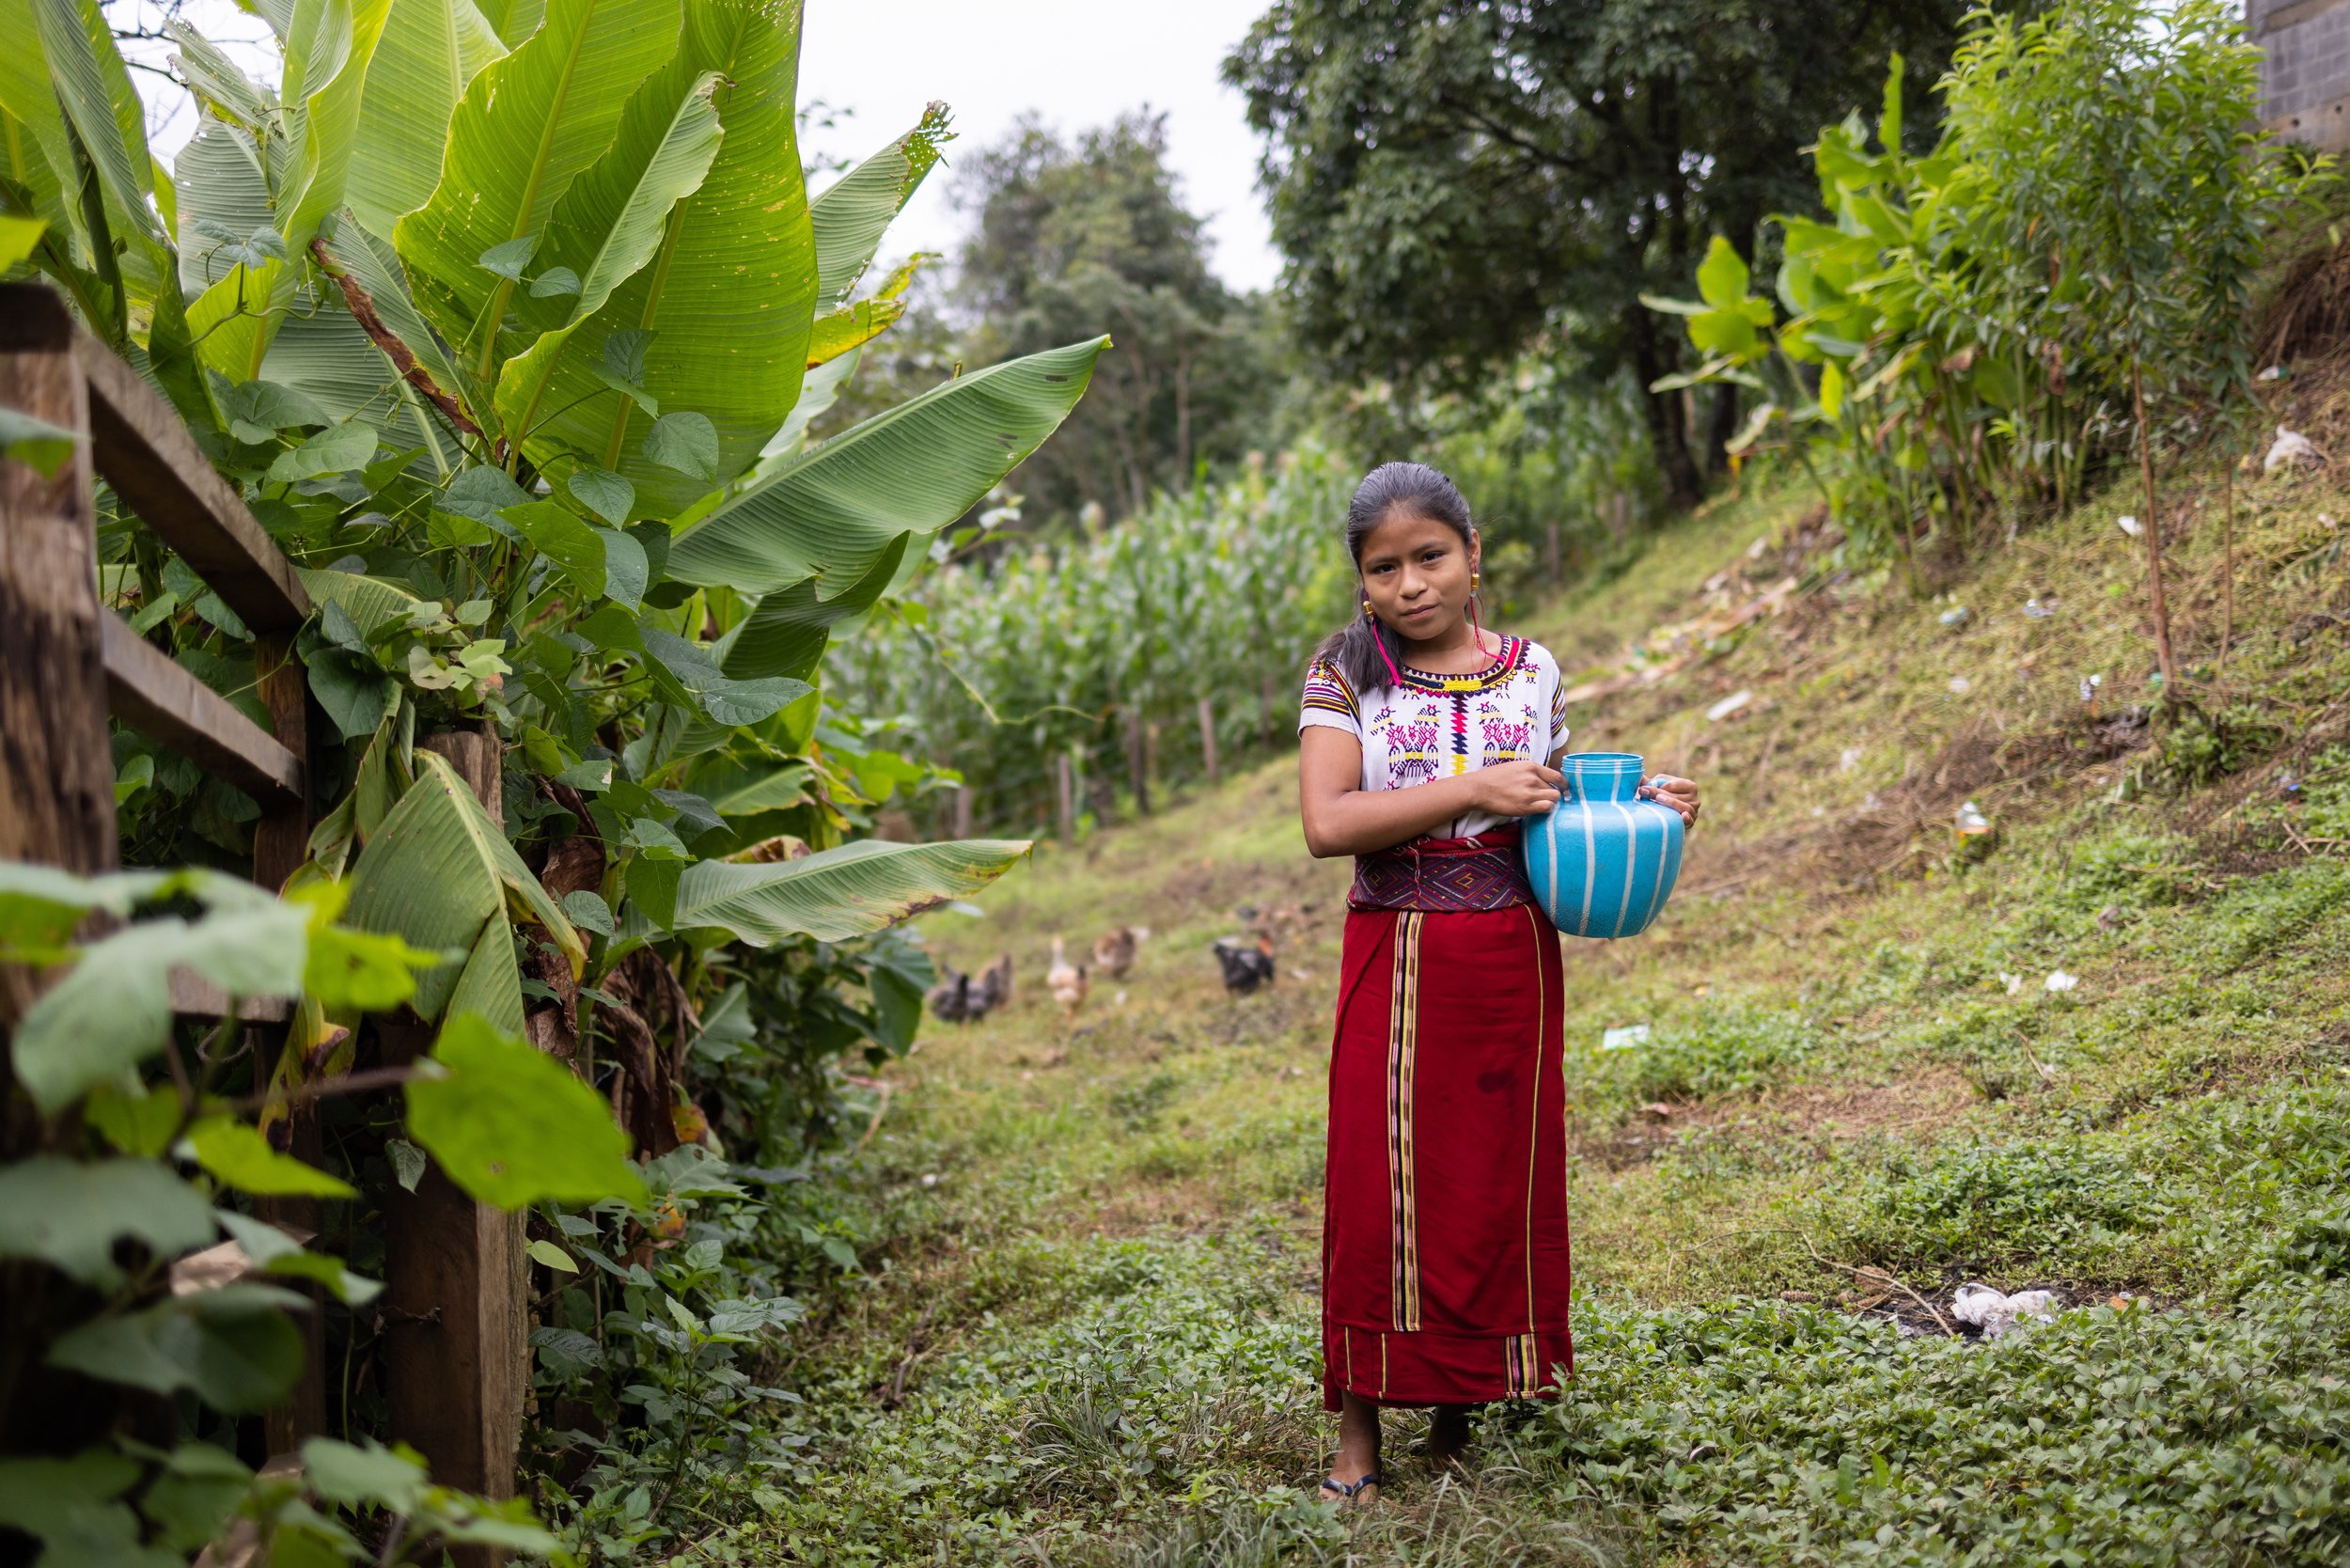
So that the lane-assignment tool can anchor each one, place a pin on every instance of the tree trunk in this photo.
(1723, 426)
(1668, 432)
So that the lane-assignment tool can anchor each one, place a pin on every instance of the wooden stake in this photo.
(455, 1282)
(2153, 535)
(1065, 798)
(1138, 760)
(1207, 738)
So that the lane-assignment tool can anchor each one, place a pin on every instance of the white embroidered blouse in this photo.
(1436, 726)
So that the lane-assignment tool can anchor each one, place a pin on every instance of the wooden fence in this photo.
(452, 1314)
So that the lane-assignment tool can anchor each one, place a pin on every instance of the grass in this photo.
(1084, 1328)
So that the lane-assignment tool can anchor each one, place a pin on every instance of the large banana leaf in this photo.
(786, 634)
(321, 351)
(850, 217)
(218, 189)
(831, 513)
(35, 152)
(851, 891)
(606, 228)
(430, 49)
(515, 19)
(327, 55)
(729, 297)
(440, 874)
(526, 127)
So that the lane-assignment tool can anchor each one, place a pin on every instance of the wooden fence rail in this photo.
(459, 1366)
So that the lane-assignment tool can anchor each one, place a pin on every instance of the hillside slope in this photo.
(2109, 1057)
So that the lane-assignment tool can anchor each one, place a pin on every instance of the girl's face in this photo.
(1416, 574)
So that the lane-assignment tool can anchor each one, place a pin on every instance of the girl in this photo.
(1423, 737)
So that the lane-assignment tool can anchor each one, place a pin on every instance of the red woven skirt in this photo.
(1445, 1266)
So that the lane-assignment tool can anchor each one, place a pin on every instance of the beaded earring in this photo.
(1393, 674)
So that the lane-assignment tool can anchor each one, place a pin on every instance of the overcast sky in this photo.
(1079, 62)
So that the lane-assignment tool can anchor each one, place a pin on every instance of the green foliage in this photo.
(1456, 186)
(1781, 1427)
(1966, 326)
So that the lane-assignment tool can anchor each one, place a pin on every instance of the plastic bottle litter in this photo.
(2275, 372)
(2291, 446)
(1973, 832)
(1954, 617)
(1624, 1038)
(1728, 706)
(1996, 1315)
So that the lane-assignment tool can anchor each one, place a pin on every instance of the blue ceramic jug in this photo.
(1604, 861)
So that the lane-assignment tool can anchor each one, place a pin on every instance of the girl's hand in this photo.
(1679, 793)
(1517, 788)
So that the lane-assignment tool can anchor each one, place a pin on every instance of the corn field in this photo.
(1112, 666)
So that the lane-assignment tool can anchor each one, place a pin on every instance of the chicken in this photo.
(995, 986)
(950, 1000)
(1247, 965)
(1066, 982)
(1114, 954)
(959, 998)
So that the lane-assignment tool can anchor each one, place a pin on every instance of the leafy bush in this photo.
(1980, 1207)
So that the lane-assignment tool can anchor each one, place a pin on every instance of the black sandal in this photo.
(1349, 1491)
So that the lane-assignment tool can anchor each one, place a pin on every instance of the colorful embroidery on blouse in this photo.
(1327, 690)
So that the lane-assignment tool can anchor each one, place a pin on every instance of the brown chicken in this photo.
(1114, 954)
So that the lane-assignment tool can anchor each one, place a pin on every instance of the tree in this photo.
(1094, 231)
(1455, 184)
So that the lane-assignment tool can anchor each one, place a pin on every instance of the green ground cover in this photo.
(1081, 1330)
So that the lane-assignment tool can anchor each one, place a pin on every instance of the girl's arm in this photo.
(1344, 817)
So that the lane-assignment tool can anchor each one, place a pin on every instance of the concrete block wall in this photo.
(2305, 67)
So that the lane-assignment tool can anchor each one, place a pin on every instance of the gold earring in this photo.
(1473, 581)
(1366, 606)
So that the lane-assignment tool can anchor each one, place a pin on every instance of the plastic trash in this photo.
(1954, 617)
(2012, 984)
(1624, 1038)
(2089, 685)
(1973, 832)
(1728, 706)
(2130, 526)
(2058, 982)
(2036, 610)
(1960, 685)
(2275, 372)
(2291, 446)
(1996, 1315)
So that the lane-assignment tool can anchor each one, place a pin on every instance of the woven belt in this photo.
(1443, 874)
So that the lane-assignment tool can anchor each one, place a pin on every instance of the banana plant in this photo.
(511, 323)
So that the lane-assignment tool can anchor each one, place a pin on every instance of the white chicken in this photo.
(1066, 982)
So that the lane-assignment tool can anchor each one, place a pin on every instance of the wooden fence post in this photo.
(1207, 738)
(1550, 541)
(1065, 798)
(56, 767)
(1138, 760)
(455, 1279)
(962, 812)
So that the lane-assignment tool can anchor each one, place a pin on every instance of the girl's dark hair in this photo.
(1415, 488)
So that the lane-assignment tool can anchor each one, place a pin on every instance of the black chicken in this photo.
(1247, 965)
